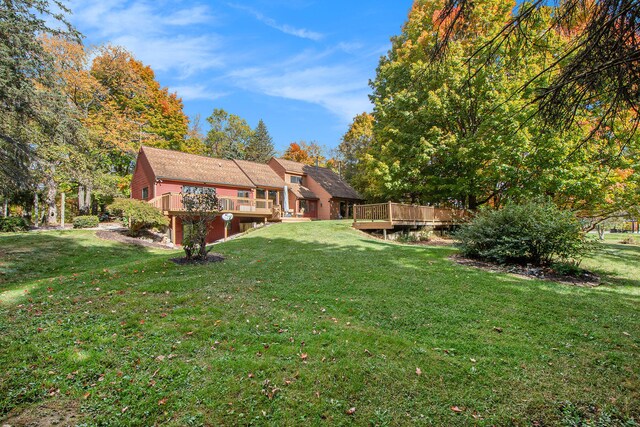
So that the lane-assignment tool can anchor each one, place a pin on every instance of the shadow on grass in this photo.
(28, 259)
(621, 261)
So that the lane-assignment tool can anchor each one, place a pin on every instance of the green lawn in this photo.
(301, 323)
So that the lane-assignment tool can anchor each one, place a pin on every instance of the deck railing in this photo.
(400, 213)
(172, 202)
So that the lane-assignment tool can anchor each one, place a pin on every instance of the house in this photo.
(252, 192)
(316, 192)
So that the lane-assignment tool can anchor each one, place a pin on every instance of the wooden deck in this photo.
(386, 216)
(171, 204)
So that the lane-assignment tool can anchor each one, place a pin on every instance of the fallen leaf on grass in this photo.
(162, 401)
(497, 329)
(350, 411)
(418, 371)
(304, 356)
(124, 409)
(456, 409)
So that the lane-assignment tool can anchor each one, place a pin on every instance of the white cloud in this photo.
(115, 17)
(142, 28)
(187, 55)
(285, 28)
(339, 89)
(197, 92)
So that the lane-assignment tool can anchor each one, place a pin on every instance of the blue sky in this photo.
(302, 66)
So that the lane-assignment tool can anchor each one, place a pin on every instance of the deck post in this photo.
(384, 233)
(355, 217)
(390, 213)
(173, 229)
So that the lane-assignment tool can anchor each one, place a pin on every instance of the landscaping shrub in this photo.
(13, 224)
(138, 214)
(535, 232)
(200, 211)
(86, 221)
(629, 241)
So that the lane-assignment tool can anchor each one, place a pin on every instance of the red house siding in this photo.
(216, 232)
(169, 186)
(277, 167)
(142, 177)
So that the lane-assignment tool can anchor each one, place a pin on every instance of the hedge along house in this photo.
(315, 192)
(160, 176)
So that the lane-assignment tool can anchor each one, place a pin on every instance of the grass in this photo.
(301, 323)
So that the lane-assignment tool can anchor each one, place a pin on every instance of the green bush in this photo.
(535, 232)
(85, 221)
(138, 214)
(13, 224)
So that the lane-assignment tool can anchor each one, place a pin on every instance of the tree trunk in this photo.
(473, 202)
(81, 206)
(600, 230)
(52, 193)
(87, 199)
(36, 211)
(5, 207)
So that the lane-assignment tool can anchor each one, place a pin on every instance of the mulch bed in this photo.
(120, 236)
(586, 279)
(435, 241)
(211, 257)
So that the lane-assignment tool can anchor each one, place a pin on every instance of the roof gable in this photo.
(291, 166)
(179, 166)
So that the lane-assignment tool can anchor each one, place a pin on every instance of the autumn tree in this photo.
(464, 129)
(194, 142)
(160, 111)
(448, 131)
(260, 147)
(353, 148)
(229, 135)
(135, 110)
(305, 152)
(85, 96)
